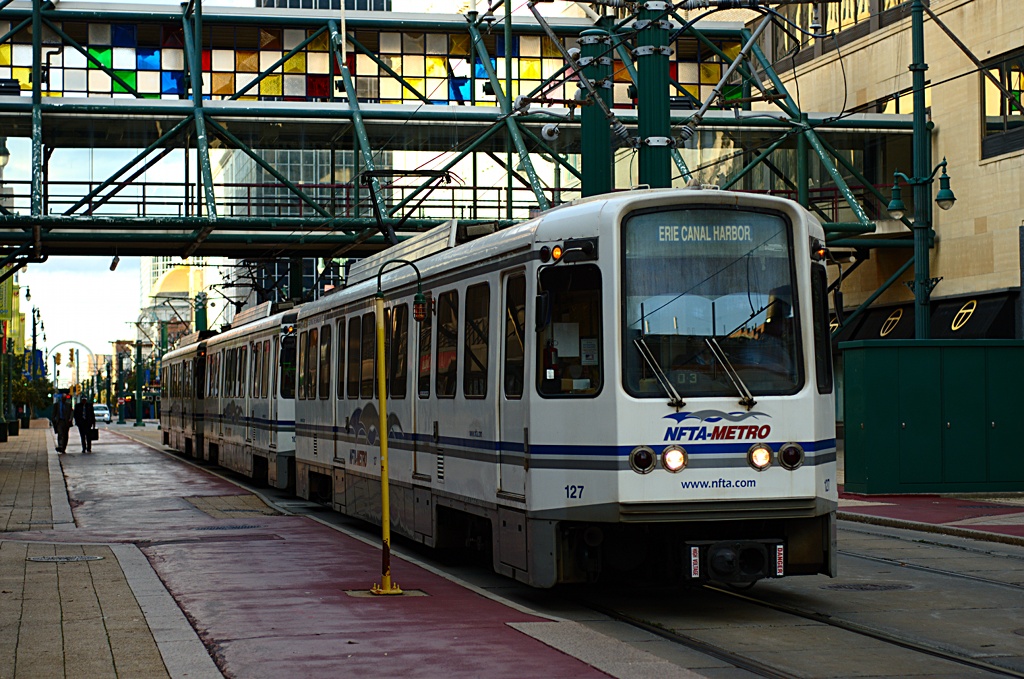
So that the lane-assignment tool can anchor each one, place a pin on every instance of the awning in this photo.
(887, 323)
(974, 317)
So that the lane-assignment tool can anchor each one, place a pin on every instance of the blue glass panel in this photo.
(122, 35)
(148, 58)
(458, 89)
(478, 68)
(499, 49)
(172, 82)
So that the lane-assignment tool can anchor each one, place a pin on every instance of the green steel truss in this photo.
(520, 126)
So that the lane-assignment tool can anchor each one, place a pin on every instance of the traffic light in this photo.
(58, 358)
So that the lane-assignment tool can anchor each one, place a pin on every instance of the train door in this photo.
(198, 403)
(337, 394)
(423, 424)
(513, 434)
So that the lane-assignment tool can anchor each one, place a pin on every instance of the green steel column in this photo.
(802, 189)
(596, 155)
(508, 90)
(4, 371)
(922, 186)
(201, 321)
(37, 113)
(138, 385)
(194, 48)
(653, 114)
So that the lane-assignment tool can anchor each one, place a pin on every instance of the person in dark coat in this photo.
(85, 420)
(63, 414)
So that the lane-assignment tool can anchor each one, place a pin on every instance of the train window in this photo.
(341, 357)
(312, 362)
(476, 338)
(354, 333)
(265, 378)
(515, 332)
(822, 337)
(711, 292)
(399, 369)
(447, 344)
(257, 369)
(325, 361)
(229, 371)
(243, 356)
(288, 365)
(368, 375)
(303, 360)
(423, 369)
(569, 361)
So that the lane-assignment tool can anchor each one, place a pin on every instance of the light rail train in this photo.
(632, 385)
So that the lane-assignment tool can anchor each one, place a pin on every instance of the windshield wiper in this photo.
(675, 400)
(746, 398)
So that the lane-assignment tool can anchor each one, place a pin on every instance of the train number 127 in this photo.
(574, 492)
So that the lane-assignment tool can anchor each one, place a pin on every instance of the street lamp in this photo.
(419, 307)
(945, 198)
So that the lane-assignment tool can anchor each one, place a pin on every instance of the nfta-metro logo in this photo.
(706, 426)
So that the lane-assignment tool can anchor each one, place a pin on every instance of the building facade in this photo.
(979, 242)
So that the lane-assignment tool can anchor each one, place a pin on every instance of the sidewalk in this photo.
(190, 576)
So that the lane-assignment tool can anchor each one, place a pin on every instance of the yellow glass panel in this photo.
(23, 76)
(247, 62)
(390, 89)
(437, 67)
(458, 45)
(5, 55)
(321, 43)
(693, 89)
(731, 49)
(391, 101)
(247, 97)
(52, 94)
(418, 83)
(548, 49)
(710, 74)
(271, 86)
(223, 84)
(529, 69)
(297, 64)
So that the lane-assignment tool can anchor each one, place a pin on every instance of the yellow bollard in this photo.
(386, 586)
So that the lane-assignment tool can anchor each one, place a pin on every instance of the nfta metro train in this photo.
(631, 385)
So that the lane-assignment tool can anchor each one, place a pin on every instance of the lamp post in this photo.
(921, 181)
(923, 283)
(419, 313)
(138, 385)
(120, 388)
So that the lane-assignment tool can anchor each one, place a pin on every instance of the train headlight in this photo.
(642, 459)
(759, 456)
(791, 456)
(673, 458)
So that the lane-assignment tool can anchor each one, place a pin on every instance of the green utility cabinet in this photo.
(933, 416)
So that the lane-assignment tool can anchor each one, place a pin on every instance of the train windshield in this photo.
(705, 284)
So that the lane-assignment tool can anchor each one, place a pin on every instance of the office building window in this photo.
(1004, 118)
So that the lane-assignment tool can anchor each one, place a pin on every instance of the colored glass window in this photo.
(458, 89)
(129, 79)
(99, 81)
(319, 62)
(147, 58)
(529, 69)
(5, 55)
(271, 86)
(173, 60)
(172, 82)
(172, 37)
(294, 86)
(148, 82)
(499, 49)
(101, 54)
(318, 86)
(296, 63)
(268, 59)
(270, 39)
(23, 76)
(292, 38)
(123, 35)
(247, 62)
(99, 34)
(207, 60)
(223, 84)
(321, 43)
(124, 58)
(459, 45)
(223, 60)
(437, 67)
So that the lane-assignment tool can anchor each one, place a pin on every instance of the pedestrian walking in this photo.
(85, 420)
(63, 413)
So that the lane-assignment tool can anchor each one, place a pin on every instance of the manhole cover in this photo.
(64, 559)
(240, 527)
(867, 587)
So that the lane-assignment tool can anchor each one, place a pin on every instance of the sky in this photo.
(81, 300)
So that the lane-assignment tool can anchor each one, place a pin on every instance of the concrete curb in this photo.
(60, 507)
(953, 531)
(183, 652)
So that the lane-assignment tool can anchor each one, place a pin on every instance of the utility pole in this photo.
(923, 282)
(120, 387)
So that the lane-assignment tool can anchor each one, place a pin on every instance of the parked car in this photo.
(102, 412)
